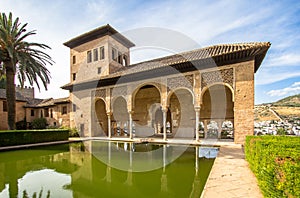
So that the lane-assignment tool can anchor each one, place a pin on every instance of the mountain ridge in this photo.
(285, 108)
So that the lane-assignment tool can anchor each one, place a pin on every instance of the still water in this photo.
(104, 169)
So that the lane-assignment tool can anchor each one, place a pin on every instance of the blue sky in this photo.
(206, 22)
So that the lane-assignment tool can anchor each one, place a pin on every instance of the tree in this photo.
(2, 81)
(26, 60)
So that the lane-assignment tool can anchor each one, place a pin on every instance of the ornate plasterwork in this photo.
(221, 76)
(118, 91)
(180, 81)
(99, 93)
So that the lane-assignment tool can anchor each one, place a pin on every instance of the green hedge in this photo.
(21, 137)
(275, 160)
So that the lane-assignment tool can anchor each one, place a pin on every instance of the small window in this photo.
(114, 54)
(46, 112)
(102, 55)
(42, 114)
(120, 58)
(89, 56)
(32, 112)
(74, 76)
(4, 106)
(74, 107)
(95, 54)
(51, 113)
(74, 59)
(99, 70)
(64, 110)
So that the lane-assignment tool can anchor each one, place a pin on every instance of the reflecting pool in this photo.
(104, 169)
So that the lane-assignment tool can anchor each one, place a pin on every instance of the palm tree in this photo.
(22, 59)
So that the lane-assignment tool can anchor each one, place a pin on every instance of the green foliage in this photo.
(275, 160)
(73, 132)
(21, 125)
(2, 81)
(21, 137)
(281, 131)
(39, 123)
(290, 101)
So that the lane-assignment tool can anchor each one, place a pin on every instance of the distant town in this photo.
(279, 118)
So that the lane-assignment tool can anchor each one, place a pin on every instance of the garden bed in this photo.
(23, 137)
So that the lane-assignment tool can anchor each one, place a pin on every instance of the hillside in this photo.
(285, 108)
(291, 101)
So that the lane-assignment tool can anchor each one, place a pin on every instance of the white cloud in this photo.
(268, 76)
(296, 84)
(291, 90)
(284, 60)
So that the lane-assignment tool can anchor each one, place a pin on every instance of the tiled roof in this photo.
(211, 56)
(98, 33)
(245, 49)
(35, 102)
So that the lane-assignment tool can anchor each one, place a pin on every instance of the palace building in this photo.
(194, 94)
(28, 108)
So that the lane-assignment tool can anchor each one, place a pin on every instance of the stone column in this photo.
(205, 128)
(219, 122)
(197, 110)
(109, 124)
(164, 110)
(243, 101)
(130, 124)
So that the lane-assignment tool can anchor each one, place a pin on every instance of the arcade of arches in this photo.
(154, 110)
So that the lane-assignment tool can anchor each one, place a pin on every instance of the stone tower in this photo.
(97, 53)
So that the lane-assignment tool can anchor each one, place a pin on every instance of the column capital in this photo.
(109, 113)
(198, 108)
(130, 112)
(164, 109)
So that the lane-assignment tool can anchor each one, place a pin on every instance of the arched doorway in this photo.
(146, 107)
(102, 125)
(182, 113)
(217, 106)
(119, 117)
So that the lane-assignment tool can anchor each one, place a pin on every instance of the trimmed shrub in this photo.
(21, 125)
(73, 132)
(21, 137)
(275, 161)
(39, 123)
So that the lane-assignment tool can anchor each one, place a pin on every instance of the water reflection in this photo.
(72, 171)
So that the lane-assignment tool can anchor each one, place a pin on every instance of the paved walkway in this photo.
(230, 176)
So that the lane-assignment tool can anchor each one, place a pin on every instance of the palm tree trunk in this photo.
(10, 95)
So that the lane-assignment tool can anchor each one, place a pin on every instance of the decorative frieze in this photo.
(99, 93)
(220, 76)
(180, 81)
(119, 91)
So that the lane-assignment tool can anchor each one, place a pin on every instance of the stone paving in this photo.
(231, 176)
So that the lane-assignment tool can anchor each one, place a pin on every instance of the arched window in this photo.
(124, 61)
